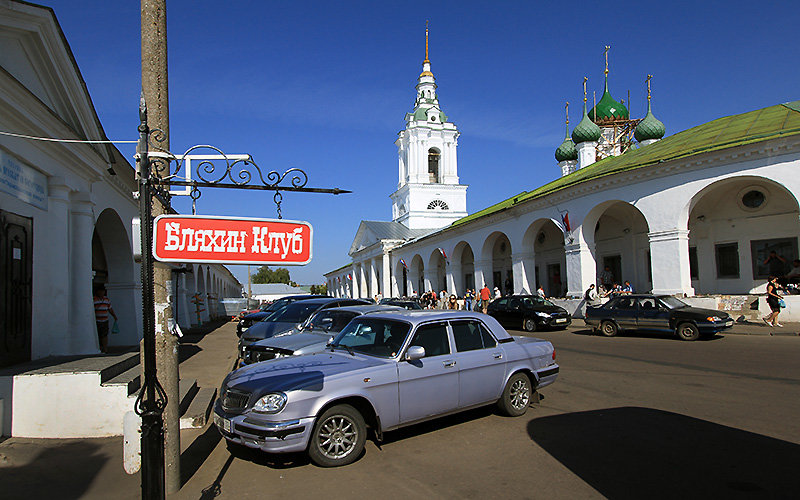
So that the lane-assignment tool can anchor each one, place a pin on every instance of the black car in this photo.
(529, 312)
(289, 316)
(247, 321)
(404, 303)
(656, 313)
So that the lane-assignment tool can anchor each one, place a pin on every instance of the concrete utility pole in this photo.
(154, 87)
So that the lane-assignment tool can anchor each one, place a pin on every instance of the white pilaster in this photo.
(670, 251)
(454, 284)
(57, 340)
(483, 268)
(520, 273)
(386, 267)
(363, 286)
(581, 268)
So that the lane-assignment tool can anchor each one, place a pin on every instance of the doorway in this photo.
(16, 290)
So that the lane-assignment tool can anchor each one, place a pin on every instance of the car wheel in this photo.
(338, 437)
(516, 396)
(529, 325)
(687, 331)
(609, 328)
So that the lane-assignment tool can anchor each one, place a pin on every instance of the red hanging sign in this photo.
(231, 240)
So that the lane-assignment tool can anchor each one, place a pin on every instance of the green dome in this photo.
(586, 130)
(649, 128)
(608, 109)
(566, 151)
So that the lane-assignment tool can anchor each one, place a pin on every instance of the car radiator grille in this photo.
(233, 400)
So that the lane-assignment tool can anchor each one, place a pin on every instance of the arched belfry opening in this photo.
(433, 165)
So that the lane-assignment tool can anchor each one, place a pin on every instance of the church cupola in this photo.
(650, 129)
(428, 191)
(566, 154)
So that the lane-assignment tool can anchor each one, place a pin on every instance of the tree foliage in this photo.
(319, 289)
(267, 275)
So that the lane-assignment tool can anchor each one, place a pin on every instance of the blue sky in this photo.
(324, 86)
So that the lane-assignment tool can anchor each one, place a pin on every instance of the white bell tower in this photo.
(428, 193)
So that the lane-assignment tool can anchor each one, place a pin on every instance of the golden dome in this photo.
(425, 73)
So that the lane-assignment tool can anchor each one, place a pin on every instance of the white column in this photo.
(83, 330)
(386, 266)
(57, 267)
(483, 268)
(581, 268)
(373, 277)
(454, 284)
(430, 279)
(669, 260)
(520, 273)
(363, 288)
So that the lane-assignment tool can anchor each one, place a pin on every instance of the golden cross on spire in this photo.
(648, 86)
(566, 110)
(605, 53)
(585, 79)
(426, 42)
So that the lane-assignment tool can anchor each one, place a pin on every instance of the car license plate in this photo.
(223, 423)
(561, 320)
(729, 323)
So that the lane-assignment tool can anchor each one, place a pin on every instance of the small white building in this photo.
(693, 213)
(267, 292)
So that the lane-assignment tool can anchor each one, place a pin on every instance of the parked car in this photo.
(247, 321)
(656, 313)
(312, 336)
(529, 312)
(383, 371)
(404, 303)
(288, 317)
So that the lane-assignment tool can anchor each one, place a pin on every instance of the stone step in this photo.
(130, 378)
(117, 365)
(199, 409)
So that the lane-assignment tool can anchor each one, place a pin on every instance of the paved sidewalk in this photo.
(92, 468)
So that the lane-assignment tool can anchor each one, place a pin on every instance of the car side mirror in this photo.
(415, 352)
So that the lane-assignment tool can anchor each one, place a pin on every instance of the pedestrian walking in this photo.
(486, 296)
(591, 297)
(102, 309)
(468, 296)
(774, 301)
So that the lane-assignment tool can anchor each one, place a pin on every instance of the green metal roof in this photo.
(773, 122)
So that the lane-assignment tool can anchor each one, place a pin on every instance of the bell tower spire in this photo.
(428, 192)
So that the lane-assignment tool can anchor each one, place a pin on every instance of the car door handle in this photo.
(448, 364)
(498, 355)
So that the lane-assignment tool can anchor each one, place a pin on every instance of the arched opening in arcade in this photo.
(438, 271)
(113, 269)
(418, 276)
(497, 251)
(621, 245)
(463, 263)
(741, 230)
(544, 260)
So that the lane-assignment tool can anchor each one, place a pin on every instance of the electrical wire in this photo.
(50, 139)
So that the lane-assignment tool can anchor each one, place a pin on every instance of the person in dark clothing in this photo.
(774, 302)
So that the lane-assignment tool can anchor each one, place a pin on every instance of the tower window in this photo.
(438, 204)
(433, 165)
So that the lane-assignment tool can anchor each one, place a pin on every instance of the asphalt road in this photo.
(633, 416)
(629, 417)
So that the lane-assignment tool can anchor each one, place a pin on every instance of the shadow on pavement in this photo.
(271, 460)
(215, 489)
(64, 471)
(196, 454)
(658, 335)
(437, 424)
(637, 453)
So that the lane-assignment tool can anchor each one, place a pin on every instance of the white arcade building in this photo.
(693, 214)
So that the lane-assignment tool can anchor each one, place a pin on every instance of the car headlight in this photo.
(271, 403)
(713, 319)
(542, 314)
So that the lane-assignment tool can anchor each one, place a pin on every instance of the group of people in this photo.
(472, 300)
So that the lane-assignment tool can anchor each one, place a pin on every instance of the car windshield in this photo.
(374, 336)
(672, 302)
(296, 312)
(536, 302)
(329, 320)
